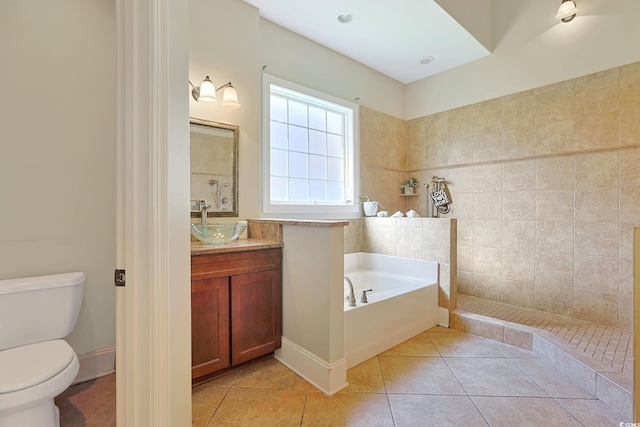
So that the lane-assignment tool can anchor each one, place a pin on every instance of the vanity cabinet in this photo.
(236, 308)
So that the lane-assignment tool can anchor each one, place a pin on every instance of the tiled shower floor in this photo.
(603, 344)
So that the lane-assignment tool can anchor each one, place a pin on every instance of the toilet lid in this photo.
(29, 365)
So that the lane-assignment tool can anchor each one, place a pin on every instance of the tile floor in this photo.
(441, 377)
(605, 344)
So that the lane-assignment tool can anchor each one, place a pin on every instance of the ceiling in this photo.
(388, 36)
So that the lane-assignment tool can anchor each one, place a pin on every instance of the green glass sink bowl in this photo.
(217, 234)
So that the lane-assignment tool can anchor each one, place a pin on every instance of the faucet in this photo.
(351, 298)
(363, 298)
(203, 211)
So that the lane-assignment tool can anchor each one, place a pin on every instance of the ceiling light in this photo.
(345, 17)
(206, 92)
(567, 11)
(426, 60)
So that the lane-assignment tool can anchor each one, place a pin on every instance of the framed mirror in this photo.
(214, 168)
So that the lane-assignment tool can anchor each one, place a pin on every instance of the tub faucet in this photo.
(363, 298)
(351, 298)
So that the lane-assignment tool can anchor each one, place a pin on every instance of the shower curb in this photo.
(597, 378)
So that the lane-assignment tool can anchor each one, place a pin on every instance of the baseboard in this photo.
(329, 378)
(96, 364)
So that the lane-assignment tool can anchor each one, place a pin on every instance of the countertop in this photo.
(238, 245)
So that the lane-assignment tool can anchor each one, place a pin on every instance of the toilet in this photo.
(36, 365)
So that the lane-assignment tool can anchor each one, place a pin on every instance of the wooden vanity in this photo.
(236, 304)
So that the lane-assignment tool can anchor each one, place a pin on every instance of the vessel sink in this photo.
(217, 234)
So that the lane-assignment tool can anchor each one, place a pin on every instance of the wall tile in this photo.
(518, 265)
(554, 269)
(595, 307)
(554, 102)
(554, 173)
(518, 292)
(518, 110)
(489, 287)
(519, 175)
(409, 242)
(460, 180)
(487, 233)
(465, 231)
(430, 245)
(626, 240)
(519, 235)
(596, 93)
(487, 178)
(518, 143)
(518, 205)
(630, 168)
(487, 261)
(460, 151)
(487, 205)
(595, 273)
(561, 187)
(487, 146)
(597, 131)
(597, 238)
(553, 298)
(487, 116)
(465, 258)
(554, 236)
(596, 170)
(630, 84)
(555, 137)
(554, 205)
(630, 125)
(460, 122)
(596, 204)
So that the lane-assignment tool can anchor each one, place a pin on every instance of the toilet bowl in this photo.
(35, 364)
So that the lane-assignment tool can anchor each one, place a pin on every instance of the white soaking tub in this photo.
(403, 302)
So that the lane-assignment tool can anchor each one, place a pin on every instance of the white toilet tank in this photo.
(35, 309)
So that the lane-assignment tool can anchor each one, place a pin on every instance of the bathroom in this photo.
(75, 194)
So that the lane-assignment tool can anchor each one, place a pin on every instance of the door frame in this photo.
(153, 311)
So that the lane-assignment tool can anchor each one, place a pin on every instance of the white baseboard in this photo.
(443, 317)
(329, 378)
(96, 364)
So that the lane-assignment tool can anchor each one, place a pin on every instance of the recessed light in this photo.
(345, 17)
(426, 60)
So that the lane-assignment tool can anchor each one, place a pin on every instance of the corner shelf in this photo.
(409, 195)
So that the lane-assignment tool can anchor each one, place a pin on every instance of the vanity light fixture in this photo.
(206, 92)
(567, 11)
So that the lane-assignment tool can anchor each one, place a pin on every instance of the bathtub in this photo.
(403, 303)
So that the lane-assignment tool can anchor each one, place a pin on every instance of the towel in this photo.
(412, 214)
(398, 214)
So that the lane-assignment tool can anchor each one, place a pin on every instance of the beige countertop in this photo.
(303, 222)
(238, 245)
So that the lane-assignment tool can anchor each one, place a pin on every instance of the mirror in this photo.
(214, 167)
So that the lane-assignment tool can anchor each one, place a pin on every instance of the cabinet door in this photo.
(256, 314)
(209, 326)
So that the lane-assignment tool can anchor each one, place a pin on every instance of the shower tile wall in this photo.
(546, 189)
(383, 158)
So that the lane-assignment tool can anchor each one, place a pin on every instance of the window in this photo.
(309, 150)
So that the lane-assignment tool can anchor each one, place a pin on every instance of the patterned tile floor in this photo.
(441, 377)
(605, 344)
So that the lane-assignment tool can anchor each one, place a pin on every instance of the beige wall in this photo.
(58, 151)
(545, 185)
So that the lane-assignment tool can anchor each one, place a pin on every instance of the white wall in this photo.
(57, 151)
(533, 49)
(224, 44)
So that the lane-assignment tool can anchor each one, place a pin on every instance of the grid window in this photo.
(310, 152)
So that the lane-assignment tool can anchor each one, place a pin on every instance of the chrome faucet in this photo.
(203, 211)
(351, 298)
(363, 298)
